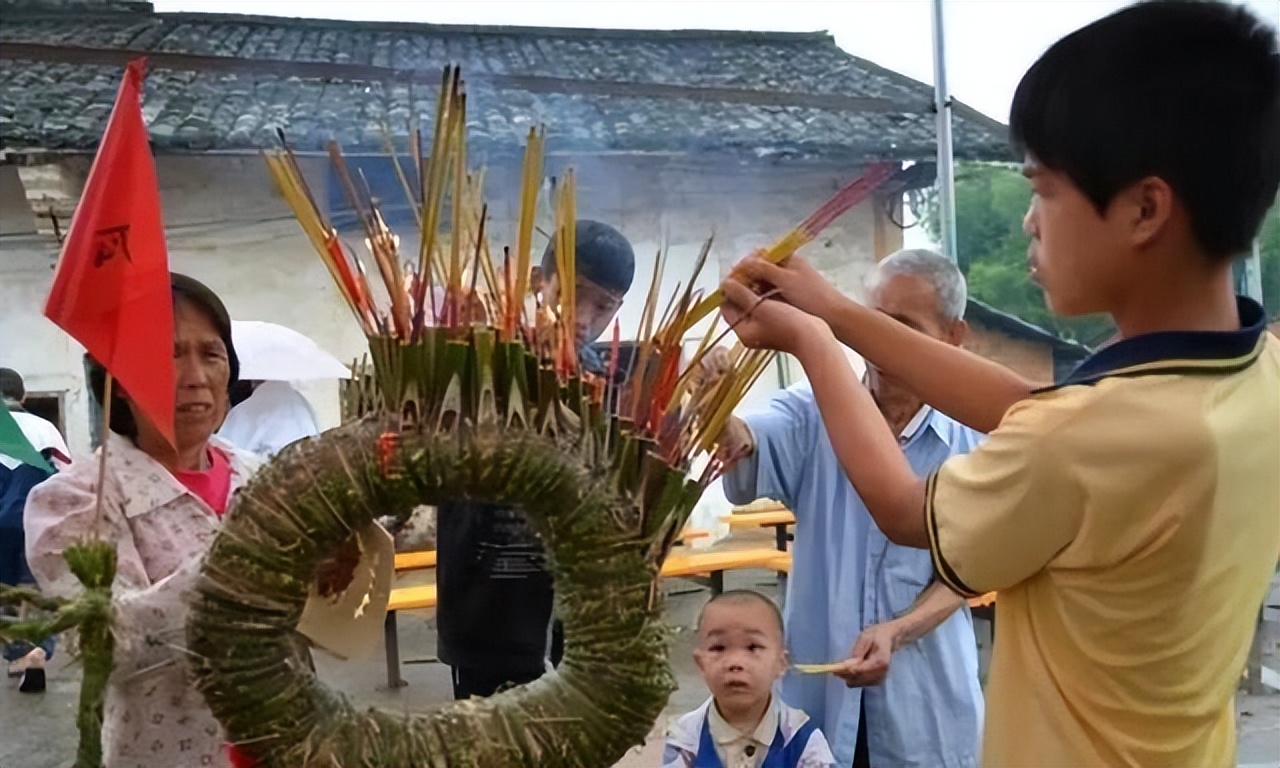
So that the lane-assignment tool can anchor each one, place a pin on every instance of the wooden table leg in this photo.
(392, 640)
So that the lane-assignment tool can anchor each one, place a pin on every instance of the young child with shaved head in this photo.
(744, 724)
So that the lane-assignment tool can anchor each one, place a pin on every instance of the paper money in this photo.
(817, 669)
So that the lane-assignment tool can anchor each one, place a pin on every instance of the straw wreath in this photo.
(476, 394)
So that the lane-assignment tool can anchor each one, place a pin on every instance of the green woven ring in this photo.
(607, 519)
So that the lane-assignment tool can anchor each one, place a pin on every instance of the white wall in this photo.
(48, 359)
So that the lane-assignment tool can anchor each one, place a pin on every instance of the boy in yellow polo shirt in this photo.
(1129, 516)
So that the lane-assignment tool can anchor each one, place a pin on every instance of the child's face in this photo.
(740, 652)
(1076, 255)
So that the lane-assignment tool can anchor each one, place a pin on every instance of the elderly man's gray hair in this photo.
(948, 284)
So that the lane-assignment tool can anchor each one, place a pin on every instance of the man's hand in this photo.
(735, 442)
(712, 367)
(795, 280)
(767, 324)
(868, 664)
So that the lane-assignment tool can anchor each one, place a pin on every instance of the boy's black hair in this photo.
(1184, 90)
(741, 596)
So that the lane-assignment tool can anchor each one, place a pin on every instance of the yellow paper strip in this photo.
(817, 669)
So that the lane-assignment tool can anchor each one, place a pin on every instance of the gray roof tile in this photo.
(227, 82)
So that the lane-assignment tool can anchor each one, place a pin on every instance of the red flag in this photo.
(111, 288)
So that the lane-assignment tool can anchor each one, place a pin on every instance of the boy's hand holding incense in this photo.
(964, 385)
(795, 281)
(763, 323)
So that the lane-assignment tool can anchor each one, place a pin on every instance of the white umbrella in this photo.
(271, 352)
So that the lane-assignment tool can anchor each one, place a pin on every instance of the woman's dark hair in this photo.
(1183, 90)
(198, 294)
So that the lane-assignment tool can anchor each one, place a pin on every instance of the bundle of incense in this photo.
(456, 289)
(848, 196)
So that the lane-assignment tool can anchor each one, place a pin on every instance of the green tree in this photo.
(1269, 244)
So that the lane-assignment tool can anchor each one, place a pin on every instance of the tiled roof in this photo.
(1013, 325)
(223, 82)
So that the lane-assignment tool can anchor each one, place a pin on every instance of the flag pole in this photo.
(102, 455)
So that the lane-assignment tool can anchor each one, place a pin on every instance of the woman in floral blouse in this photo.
(162, 507)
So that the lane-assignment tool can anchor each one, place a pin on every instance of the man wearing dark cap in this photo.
(494, 614)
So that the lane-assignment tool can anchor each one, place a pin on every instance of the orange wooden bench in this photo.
(415, 561)
(425, 596)
(778, 519)
(984, 607)
(982, 601)
(689, 534)
(708, 566)
(412, 598)
(424, 559)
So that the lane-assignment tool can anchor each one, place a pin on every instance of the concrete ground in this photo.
(38, 731)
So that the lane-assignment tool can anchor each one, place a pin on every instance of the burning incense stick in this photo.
(660, 403)
(848, 196)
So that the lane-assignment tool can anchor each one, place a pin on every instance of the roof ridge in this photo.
(510, 30)
(357, 72)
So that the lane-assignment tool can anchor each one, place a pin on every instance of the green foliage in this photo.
(94, 564)
(1269, 242)
(606, 497)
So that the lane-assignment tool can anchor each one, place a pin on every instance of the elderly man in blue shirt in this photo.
(850, 582)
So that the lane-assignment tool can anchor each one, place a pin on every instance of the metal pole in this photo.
(946, 166)
(783, 366)
(1252, 278)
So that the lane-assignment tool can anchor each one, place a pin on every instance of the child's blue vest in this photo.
(782, 754)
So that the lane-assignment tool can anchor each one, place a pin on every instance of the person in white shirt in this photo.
(41, 433)
(273, 416)
(744, 724)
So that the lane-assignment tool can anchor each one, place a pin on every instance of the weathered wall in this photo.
(1031, 359)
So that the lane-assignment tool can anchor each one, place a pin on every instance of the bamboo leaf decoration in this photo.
(94, 564)
(473, 398)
